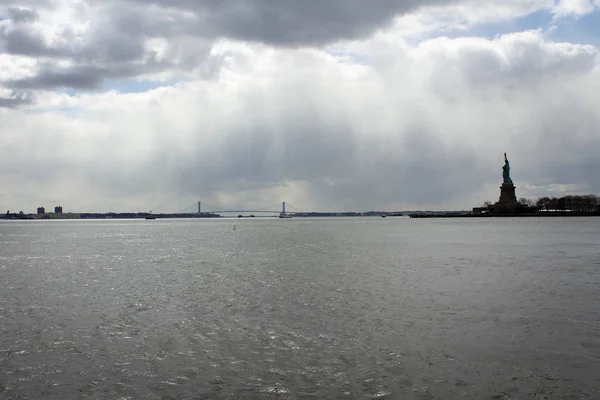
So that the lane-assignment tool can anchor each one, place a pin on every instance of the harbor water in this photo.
(301, 308)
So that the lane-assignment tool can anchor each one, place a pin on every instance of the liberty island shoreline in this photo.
(411, 214)
(507, 206)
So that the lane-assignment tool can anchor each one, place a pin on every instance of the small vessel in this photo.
(150, 217)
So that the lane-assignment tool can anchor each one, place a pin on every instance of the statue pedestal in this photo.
(507, 194)
(507, 203)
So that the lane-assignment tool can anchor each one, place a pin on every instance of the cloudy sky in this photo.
(136, 105)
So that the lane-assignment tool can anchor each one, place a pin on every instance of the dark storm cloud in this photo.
(18, 14)
(84, 77)
(290, 22)
(5, 5)
(16, 99)
(105, 44)
(77, 78)
(120, 30)
(24, 41)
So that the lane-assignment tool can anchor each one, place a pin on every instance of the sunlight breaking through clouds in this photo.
(336, 105)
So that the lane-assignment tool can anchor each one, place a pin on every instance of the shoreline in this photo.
(524, 215)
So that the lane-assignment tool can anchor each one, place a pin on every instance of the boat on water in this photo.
(150, 217)
(284, 215)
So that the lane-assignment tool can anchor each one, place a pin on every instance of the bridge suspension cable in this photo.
(254, 209)
(188, 209)
(213, 207)
(267, 208)
(294, 208)
(274, 208)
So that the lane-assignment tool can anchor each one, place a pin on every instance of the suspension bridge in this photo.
(282, 208)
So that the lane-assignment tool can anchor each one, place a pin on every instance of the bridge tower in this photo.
(199, 208)
(283, 207)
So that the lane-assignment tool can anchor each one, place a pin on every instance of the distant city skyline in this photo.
(332, 106)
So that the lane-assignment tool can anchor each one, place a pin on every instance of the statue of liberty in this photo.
(506, 172)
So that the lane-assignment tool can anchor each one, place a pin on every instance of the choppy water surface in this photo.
(301, 308)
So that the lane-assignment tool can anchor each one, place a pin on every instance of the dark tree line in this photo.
(577, 203)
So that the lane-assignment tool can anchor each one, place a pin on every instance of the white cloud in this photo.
(575, 8)
(419, 126)
(375, 123)
(466, 15)
(15, 67)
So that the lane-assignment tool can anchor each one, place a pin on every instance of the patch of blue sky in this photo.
(353, 57)
(120, 86)
(69, 112)
(536, 20)
(137, 85)
(69, 92)
(125, 86)
(583, 30)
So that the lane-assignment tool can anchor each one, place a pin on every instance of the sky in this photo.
(337, 105)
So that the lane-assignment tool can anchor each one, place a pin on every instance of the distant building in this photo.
(41, 210)
(58, 210)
